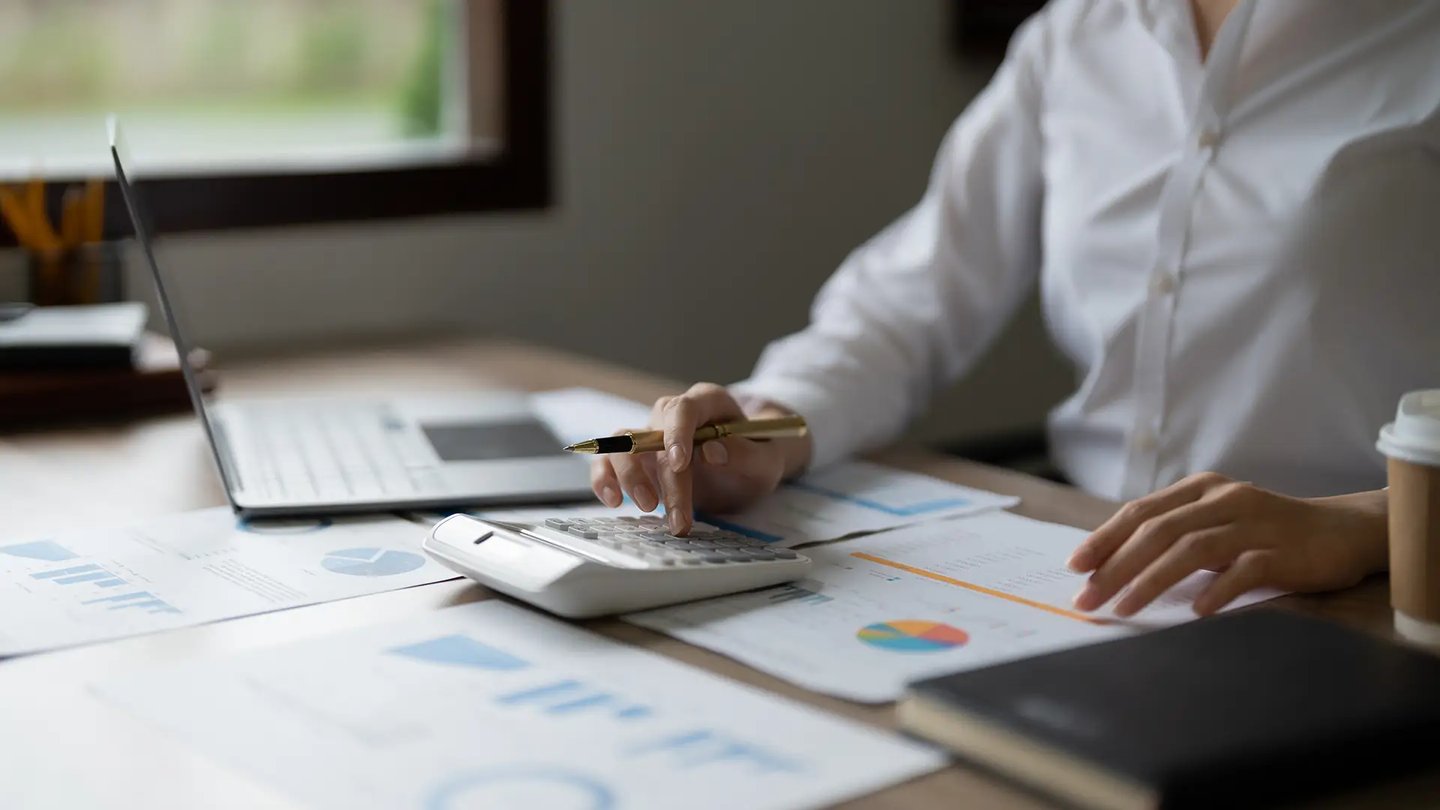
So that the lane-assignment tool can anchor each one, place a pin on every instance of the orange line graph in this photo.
(1009, 597)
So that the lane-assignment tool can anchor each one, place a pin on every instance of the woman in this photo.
(1233, 213)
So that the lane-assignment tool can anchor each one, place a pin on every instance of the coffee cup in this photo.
(1412, 446)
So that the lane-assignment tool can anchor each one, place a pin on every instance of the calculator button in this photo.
(736, 554)
(712, 557)
(760, 554)
(589, 534)
(783, 553)
(704, 544)
(558, 523)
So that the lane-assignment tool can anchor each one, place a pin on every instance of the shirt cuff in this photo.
(826, 423)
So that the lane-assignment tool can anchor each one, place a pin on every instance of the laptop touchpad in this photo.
(490, 441)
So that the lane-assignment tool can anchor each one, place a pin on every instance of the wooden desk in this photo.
(52, 728)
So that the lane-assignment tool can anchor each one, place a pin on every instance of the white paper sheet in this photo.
(883, 610)
(492, 706)
(845, 499)
(853, 498)
(195, 567)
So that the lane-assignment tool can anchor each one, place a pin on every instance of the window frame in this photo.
(517, 176)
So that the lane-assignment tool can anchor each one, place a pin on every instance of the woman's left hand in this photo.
(1255, 538)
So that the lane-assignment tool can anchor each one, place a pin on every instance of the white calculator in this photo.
(580, 567)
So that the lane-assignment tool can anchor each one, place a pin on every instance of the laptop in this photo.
(282, 458)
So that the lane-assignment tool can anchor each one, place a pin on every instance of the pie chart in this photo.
(371, 562)
(912, 636)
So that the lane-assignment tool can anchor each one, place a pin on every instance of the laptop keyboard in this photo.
(338, 451)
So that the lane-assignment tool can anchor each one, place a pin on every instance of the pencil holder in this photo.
(87, 274)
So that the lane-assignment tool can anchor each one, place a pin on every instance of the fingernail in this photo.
(1124, 609)
(1086, 597)
(677, 458)
(715, 453)
(676, 525)
(610, 497)
(645, 497)
(1078, 562)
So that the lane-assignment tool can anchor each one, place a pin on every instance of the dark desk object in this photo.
(153, 385)
(1244, 710)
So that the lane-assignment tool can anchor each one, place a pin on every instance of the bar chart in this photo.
(139, 600)
(99, 576)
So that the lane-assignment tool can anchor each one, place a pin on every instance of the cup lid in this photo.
(1415, 434)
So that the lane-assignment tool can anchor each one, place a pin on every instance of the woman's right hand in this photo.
(722, 475)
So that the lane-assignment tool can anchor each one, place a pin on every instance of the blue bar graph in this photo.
(570, 696)
(703, 747)
(142, 600)
(91, 577)
(124, 597)
(109, 583)
(152, 606)
(62, 572)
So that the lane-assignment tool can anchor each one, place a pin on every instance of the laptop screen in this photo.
(139, 217)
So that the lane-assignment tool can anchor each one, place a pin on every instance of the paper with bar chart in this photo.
(883, 610)
(195, 567)
(488, 705)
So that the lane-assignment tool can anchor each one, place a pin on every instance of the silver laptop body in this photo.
(325, 456)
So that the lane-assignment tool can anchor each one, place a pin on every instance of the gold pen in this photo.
(653, 441)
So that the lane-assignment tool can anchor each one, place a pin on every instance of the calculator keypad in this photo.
(645, 538)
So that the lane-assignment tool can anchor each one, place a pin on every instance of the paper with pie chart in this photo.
(195, 567)
(490, 705)
(880, 611)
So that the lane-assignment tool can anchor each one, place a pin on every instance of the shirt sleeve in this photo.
(913, 308)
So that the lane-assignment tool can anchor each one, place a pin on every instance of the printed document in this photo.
(489, 705)
(842, 500)
(879, 611)
(195, 567)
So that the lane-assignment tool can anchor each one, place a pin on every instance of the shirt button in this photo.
(1144, 440)
(1208, 138)
(1163, 282)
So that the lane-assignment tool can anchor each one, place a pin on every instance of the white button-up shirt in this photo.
(1241, 256)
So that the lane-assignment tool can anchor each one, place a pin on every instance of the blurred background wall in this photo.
(713, 161)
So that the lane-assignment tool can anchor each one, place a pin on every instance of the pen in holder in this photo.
(70, 261)
(90, 273)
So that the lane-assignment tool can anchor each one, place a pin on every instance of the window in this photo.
(260, 112)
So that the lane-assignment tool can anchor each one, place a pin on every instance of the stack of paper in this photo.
(488, 705)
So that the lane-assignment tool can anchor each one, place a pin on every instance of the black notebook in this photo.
(1242, 710)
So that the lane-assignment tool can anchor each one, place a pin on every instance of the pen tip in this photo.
(583, 447)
